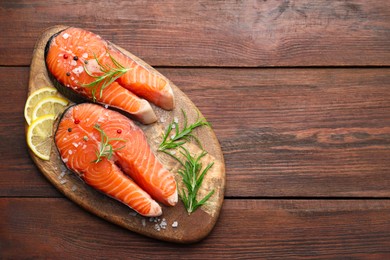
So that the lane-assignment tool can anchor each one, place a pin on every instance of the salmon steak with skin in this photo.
(111, 154)
(82, 63)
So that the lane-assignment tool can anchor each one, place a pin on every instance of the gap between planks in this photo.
(249, 67)
(269, 198)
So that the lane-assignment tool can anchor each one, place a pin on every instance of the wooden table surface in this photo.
(298, 93)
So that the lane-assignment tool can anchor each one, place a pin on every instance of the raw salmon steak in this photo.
(111, 154)
(82, 63)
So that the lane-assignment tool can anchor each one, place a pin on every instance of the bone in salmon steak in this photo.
(104, 147)
(82, 64)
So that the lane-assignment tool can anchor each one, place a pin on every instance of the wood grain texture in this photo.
(284, 132)
(115, 212)
(271, 229)
(213, 33)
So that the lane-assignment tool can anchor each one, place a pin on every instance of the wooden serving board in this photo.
(191, 228)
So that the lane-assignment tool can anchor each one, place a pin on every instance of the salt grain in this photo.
(62, 175)
(78, 70)
(85, 55)
(157, 227)
(74, 188)
(63, 181)
(75, 144)
(162, 120)
(175, 224)
(106, 106)
(70, 151)
(143, 222)
(73, 63)
(176, 120)
(65, 36)
(163, 223)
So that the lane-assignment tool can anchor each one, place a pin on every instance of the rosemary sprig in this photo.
(193, 175)
(110, 74)
(106, 149)
(180, 137)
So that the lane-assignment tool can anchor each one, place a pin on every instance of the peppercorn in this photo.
(68, 74)
(75, 58)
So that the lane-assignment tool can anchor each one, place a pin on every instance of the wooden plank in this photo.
(311, 132)
(213, 33)
(284, 132)
(99, 204)
(262, 229)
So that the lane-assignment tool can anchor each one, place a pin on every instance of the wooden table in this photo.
(298, 93)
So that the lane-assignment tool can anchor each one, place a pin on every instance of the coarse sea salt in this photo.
(63, 181)
(176, 120)
(73, 63)
(62, 175)
(65, 36)
(74, 188)
(175, 224)
(85, 55)
(143, 222)
(78, 70)
(163, 223)
(157, 227)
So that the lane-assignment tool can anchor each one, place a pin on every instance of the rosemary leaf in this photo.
(106, 149)
(181, 136)
(110, 74)
(192, 177)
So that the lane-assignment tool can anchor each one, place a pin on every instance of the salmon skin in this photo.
(76, 59)
(131, 173)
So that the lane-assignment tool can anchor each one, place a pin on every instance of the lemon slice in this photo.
(49, 106)
(39, 136)
(34, 98)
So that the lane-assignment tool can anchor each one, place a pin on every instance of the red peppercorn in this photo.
(65, 56)
(76, 121)
(119, 131)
